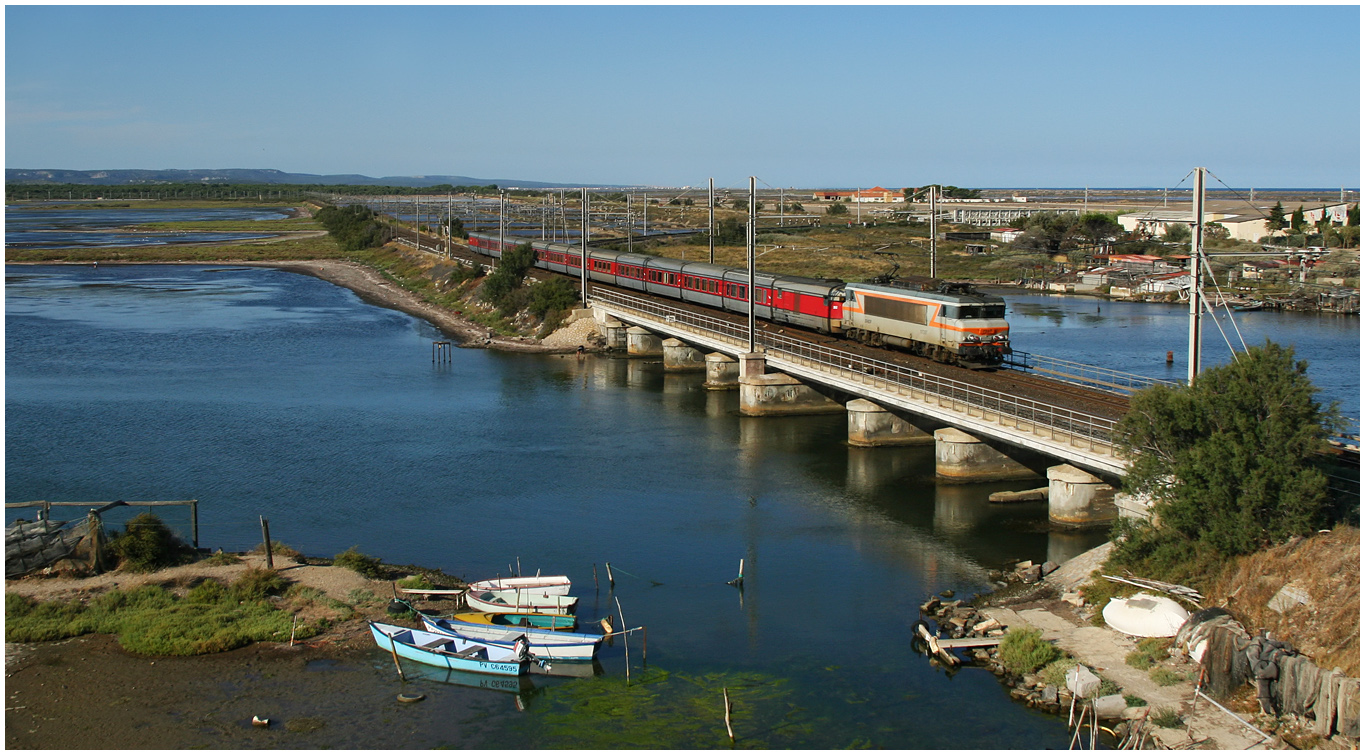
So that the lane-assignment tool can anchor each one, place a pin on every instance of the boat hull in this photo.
(548, 621)
(520, 602)
(545, 643)
(408, 643)
(555, 585)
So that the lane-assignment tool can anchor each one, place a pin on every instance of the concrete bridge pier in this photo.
(777, 394)
(873, 425)
(642, 343)
(1077, 499)
(614, 332)
(722, 372)
(959, 457)
(679, 357)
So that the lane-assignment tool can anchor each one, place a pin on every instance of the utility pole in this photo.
(1196, 273)
(450, 220)
(858, 205)
(645, 231)
(933, 231)
(781, 207)
(502, 206)
(711, 219)
(583, 267)
(751, 240)
(630, 227)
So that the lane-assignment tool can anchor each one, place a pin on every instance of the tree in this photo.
(456, 227)
(1353, 216)
(837, 208)
(1098, 227)
(1275, 221)
(1228, 461)
(1177, 233)
(1047, 231)
(1296, 221)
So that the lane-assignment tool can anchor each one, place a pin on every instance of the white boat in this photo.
(1145, 615)
(517, 601)
(550, 585)
(545, 643)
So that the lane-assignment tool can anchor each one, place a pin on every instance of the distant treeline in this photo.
(234, 192)
(354, 227)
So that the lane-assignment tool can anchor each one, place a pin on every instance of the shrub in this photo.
(147, 545)
(277, 549)
(1138, 660)
(1166, 718)
(416, 582)
(207, 592)
(1024, 651)
(256, 584)
(1133, 701)
(837, 209)
(1165, 677)
(1055, 672)
(365, 566)
(223, 559)
(552, 296)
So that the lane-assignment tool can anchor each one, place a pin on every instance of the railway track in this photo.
(1005, 380)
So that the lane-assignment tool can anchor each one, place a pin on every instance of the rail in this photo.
(1084, 374)
(954, 395)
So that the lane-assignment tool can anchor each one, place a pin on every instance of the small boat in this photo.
(550, 585)
(523, 620)
(545, 643)
(1145, 615)
(449, 651)
(517, 601)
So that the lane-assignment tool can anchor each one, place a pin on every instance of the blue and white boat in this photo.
(451, 651)
(544, 643)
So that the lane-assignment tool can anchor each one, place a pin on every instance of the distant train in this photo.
(952, 325)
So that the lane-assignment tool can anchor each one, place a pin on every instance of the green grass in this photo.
(1024, 651)
(1167, 718)
(1165, 677)
(365, 566)
(152, 621)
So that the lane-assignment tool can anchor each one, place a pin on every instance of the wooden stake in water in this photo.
(625, 635)
(610, 579)
(594, 577)
(728, 730)
(738, 581)
(393, 648)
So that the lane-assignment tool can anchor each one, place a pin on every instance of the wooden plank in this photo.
(970, 642)
(95, 504)
(410, 591)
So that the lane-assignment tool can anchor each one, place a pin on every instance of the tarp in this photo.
(30, 546)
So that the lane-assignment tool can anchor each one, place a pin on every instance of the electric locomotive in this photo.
(954, 324)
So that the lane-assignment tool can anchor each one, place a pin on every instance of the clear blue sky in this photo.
(804, 96)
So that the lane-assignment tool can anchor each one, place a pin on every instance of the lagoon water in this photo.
(56, 225)
(265, 393)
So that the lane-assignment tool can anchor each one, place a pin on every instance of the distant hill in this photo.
(246, 176)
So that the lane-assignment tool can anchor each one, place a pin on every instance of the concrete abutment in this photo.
(762, 395)
(1078, 499)
(872, 425)
(959, 457)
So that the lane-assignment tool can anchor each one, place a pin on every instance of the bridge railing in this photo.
(1085, 374)
(949, 393)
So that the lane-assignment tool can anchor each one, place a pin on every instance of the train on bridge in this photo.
(954, 324)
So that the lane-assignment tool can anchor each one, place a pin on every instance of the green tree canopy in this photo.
(1228, 462)
(1275, 220)
(1296, 221)
(1177, 233)
(837, 209)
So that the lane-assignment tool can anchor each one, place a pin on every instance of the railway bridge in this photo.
(787, 375)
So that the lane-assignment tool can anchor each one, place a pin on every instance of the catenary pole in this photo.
(1196, 273)
(711, 220)
(583, 266)
(751, 241)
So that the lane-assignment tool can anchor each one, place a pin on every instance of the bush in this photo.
(354, 227)
(278, 549)
(222, 559)
(1055, 672)
(365, 566)
(837, 209)
(257, 584)
(208, 592)
(416, 582)
(1167, 718)
(147, 545)
(1024, 651)
(552, 296)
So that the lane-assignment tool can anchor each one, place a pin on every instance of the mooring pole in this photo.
(265, 533)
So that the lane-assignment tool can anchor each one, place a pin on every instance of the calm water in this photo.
(264, 393)
(1134, 337)
(53, 226)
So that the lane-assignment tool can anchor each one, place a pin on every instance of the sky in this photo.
(801, 96)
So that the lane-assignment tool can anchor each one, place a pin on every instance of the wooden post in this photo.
(728, 729)
(292, 629)
(393, 648)
(625, 638)
(194, 522)
(610, 579)
(594, 577)
(265, 533)
(644, 641)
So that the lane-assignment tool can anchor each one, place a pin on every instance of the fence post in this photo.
(265, 533)
(194, 522)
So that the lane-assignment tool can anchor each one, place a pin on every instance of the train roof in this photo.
(930, 295)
